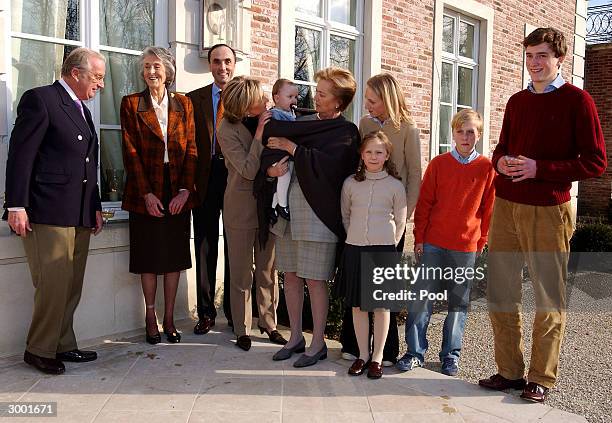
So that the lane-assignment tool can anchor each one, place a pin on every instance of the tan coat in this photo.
(406, 154)
(242, 158)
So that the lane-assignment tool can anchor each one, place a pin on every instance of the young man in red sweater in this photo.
(451, 222)
(550, 137)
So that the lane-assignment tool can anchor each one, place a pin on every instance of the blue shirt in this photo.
(280, 114)
(464, 160)
(216, 95)
(557, 83)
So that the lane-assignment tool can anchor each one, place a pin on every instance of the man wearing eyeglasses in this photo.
(53, 202)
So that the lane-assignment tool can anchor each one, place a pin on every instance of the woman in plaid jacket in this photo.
(159, 154)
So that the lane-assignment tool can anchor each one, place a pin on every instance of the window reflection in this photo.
(307, 48)
(51, 18)
(342, 11)
(127, 23)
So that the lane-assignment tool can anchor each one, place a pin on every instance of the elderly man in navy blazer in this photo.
(53, 202)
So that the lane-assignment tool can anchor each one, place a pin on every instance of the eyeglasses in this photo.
(96, 78)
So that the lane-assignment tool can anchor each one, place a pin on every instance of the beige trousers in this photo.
(57, 256)
(540, 237)
(244, 251)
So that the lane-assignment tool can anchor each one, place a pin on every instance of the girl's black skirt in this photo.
(348, 284)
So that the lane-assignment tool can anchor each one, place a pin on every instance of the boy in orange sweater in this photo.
(451, 222)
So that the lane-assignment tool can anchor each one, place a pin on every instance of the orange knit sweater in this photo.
(455, 204)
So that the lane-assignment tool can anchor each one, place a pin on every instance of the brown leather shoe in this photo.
(204, 325)
(50, 366)
(534, 392)
(375, 370)
(500, 383)
(358, 367)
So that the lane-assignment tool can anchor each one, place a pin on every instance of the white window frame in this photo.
(90, 37)
(456, 60)
(484, 15)
(290, 19)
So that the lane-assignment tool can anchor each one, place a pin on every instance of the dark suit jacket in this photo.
(204, 125)
(143, 149)
(53, 159)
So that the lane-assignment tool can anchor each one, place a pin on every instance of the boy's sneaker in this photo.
(408, 362)
(348, 356)
(450, 366)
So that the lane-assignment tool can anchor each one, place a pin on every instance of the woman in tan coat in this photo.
(239, 135)
(388, 113)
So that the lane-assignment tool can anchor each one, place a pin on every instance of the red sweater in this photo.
(560, 130)
(455, 204)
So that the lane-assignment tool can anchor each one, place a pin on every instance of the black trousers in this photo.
(206, 241)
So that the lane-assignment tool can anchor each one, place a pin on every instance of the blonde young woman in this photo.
(239, 135)
(389, 113)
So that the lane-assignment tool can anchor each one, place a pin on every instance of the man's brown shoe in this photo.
(50, 366)
(204, 325)
(500, 383)
(534, 392)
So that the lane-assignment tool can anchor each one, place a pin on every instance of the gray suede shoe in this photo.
(310, 360)
(286, 353)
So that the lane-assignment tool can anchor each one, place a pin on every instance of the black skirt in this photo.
(160, 244)
(348, 280)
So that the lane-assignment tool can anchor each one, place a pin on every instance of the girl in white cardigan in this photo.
(374, 216)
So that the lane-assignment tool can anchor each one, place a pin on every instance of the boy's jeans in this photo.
(458, 294)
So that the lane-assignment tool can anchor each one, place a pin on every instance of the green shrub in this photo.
(592, 237)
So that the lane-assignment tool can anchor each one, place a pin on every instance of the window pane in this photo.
(122, 78)
(307, 54)
(466, 40)
(309, 7)
(447, 83)
(35, 63)
(445, 119)
(306, 95)
(52, 18)
(342, 52)
(112, 176)
(448, 29)
(342, 11)
(464, 90)
(127, 23)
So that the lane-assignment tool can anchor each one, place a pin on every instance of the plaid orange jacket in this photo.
(143, 149)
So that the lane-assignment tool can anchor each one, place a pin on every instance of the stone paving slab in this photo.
(208, 379)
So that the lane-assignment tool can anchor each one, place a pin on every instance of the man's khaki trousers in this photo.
(56, 256)
(539, 236)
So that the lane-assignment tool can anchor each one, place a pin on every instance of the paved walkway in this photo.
(208, 379)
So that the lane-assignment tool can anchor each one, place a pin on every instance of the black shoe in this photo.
(77, 356)
(274, 336)
(244, 342)
(204, 325)
(51, 366)
(173, 337)
(283, 212)
(153, 339)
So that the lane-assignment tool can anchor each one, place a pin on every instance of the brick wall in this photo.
(594, 194)
(407, 50)
(265, 41)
